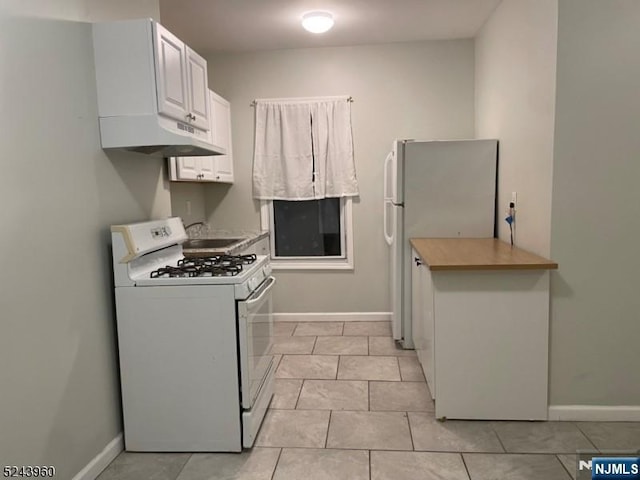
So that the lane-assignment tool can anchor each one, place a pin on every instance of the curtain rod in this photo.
(255, 102)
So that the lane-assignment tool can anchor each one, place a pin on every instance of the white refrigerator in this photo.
(441, 189)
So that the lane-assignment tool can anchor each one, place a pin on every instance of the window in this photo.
(310, 234)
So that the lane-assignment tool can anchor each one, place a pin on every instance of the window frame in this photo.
(343, 262)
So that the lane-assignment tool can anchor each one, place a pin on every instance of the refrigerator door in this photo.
(449, 191)
(392, 227)
(450, 188)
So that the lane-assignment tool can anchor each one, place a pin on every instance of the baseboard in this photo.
(102, 460)
(333, 317)
(595, 413)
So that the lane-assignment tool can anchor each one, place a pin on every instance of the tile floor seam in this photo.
(368, 395)
(184, 465)
(338, 367)
(326, 438)
(586, 436)
(342, 332)
(314, 354)
(295, 407)
(563, 465)
(368, 345)
(464, 462)
(495, 432)
(273, 474)
(369, 453)
(277, 364)
(481, 452)
(413, 445)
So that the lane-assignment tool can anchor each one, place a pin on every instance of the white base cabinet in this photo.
(492, 333)
(217, 168)
(481, 327)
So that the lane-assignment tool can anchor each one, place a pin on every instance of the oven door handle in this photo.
(266, 289)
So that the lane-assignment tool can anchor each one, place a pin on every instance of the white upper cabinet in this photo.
(181, 76)
(150, 86)
(221, 133)
(171, 75)
(197, 84)
(217, 168)
(189, 168)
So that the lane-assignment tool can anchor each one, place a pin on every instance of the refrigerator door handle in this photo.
(387, 186)
(387, 200)
(387, 236)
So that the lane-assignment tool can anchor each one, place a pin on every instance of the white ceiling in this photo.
(248, 25)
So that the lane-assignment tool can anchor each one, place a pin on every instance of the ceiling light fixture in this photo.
(317, 22)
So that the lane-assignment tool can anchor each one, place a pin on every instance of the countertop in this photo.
(441, 254)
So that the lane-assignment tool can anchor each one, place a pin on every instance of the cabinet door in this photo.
(428, 330)
(171, 74)
(221, 135)
(197, 83)
(417, 320)
(208, 168)
(188, 168)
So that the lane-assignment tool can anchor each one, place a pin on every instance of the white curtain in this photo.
(303, 149)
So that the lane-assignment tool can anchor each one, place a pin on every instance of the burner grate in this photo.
(214, 266)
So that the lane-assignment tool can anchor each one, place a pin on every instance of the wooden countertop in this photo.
(477, 254)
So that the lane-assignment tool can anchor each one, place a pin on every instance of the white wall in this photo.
(83, 10)
(188, 201)
(59, 390)
(515, 102)
(407, 90)
(595, 307)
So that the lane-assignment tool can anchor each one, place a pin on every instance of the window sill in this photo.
(311, 265)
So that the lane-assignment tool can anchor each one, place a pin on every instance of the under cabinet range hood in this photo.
(153, 95)
(154, 135)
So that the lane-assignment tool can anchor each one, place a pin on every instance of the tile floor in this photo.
(350, 405)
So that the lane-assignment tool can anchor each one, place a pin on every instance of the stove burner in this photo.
(168, 271)
(214, 266)
(222, 271)
(238, 259)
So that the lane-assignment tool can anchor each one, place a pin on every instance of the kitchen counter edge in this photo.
(465, 254)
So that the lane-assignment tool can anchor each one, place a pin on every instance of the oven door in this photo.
(255, 331)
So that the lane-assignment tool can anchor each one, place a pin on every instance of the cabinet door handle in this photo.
(417, 260)
(193, 117)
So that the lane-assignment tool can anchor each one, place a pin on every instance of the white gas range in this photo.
(194, 339)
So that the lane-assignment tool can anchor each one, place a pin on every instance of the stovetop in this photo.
(150, 254)
(214, 266)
